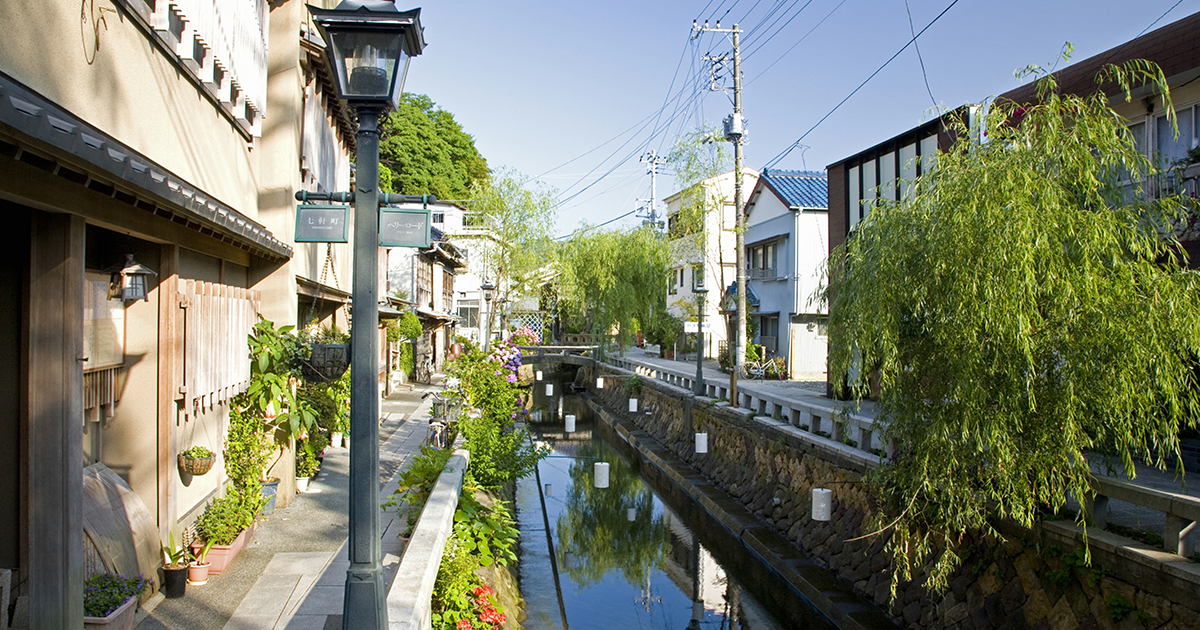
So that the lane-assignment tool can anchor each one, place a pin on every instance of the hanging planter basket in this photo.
(196, 465)
(327, 363)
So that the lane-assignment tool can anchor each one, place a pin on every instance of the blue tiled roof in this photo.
(800, 189)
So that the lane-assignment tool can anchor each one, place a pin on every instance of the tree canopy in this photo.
(1022, 311)
(613, 277)
(423, 150)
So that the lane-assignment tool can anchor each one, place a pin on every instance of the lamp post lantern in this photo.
(487, 288)
(370, 44)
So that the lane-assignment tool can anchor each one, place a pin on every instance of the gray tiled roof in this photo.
(31, 114)
(800, 189)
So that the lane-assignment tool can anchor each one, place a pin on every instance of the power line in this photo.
(784, 154)
(912, 30)
(789, 50)
(759, 47)
(1160, 18)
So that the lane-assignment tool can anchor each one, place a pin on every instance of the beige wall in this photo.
(129, 90)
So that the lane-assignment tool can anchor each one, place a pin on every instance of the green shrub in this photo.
(416, 481)
(227, 516)
(487, 532)
(105, 592)
(197, 452)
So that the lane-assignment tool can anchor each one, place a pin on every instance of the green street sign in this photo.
(322, 224)
(404, 227)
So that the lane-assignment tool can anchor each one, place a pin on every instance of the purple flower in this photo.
(512, 378)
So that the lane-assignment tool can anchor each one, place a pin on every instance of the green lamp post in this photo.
(370, 44)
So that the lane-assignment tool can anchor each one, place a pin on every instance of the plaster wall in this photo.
(114, 77)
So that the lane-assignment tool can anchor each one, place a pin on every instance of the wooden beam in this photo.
(168, 381)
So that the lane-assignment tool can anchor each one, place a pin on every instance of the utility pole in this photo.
(655, 161)
(734, 131)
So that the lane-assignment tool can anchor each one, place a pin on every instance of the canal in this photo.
(638, 553)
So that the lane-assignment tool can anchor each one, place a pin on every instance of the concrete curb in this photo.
(408, 605)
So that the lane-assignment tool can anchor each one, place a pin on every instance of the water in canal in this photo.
(637, 554)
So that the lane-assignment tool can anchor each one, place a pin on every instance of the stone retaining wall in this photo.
(1030, 580)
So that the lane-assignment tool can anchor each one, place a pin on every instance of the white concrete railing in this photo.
(835, 422)
(829, 419)
(408, 598)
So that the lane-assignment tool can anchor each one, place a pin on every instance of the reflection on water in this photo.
(624, 559)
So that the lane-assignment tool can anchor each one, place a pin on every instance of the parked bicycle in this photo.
(425, 370)
(443, 415)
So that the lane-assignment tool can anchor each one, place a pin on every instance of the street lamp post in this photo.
(369, 44)
(698, 386)
(487, 288)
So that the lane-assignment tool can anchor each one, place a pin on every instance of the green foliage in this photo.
(247, 450)
(1018, 312)
(633, 384)
(695, 158)
(500, 453)
(518, 220)
(274, 378)
(105, 592)
(174, 556)
(1117, 607)
(663, 328)
(456, 577)
(307, 463)
(611, 278)
(488, 532)
(409, 326)
(197, 452)
(416, 481)
(423, 150)
(227, 516)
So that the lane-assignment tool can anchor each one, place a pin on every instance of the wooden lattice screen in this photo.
(217, 320)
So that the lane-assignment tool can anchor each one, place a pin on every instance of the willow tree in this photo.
(610, 278)
(513, 240)
(1021, 311)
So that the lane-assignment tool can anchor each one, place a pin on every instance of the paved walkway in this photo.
(1120, 512)
(292, 574)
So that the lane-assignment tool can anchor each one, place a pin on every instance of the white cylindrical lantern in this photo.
(570, 423)
(568, 561)
(632, 405)
(599, 383)
(548, 487)
(701, 443)
(822, 499)
(549, 389)
(539, 375)
(631, 514)
(537, 415)
(560, 407)
(600, 475)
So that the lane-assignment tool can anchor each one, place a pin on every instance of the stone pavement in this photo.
(1119, 512)
(292, 574)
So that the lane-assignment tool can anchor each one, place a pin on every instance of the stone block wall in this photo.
(1027, 580)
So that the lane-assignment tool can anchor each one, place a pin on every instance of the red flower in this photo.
(463, 624)
(482, 590)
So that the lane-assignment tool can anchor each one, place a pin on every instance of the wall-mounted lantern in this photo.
(129, 280)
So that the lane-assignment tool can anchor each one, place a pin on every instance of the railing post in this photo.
(1175, 533)
(1095, 510)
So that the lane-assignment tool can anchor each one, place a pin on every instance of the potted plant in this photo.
(197, 460)
(306, 466)
(227, 524)
(110, 601)
(175, 569)
(197, 570)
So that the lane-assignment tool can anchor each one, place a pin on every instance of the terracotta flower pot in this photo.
(198, 573)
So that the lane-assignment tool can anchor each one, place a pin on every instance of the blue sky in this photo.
(539, 84)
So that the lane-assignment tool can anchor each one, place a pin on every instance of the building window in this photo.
(468, 310)
(676, 281)
(439, 217)
(697, 276)
(761, 263)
